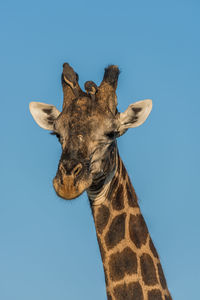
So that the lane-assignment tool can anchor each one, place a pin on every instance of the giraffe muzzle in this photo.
(70, 186)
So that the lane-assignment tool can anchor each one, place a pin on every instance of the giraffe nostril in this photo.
(76, 170)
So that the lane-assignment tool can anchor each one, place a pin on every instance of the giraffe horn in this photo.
(106, 94)
(71, 88)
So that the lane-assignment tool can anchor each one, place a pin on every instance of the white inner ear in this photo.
(44, 114)
(135, 115)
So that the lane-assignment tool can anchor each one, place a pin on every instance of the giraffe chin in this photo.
(67, 189)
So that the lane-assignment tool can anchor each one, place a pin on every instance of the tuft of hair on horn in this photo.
(111, 75)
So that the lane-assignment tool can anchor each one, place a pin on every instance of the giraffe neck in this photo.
(131, 263)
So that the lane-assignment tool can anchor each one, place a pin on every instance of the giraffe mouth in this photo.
(66, 187)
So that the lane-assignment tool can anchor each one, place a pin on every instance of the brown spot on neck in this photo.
(122, 263)
(113, 187)
(138, 230)
(129, 292)
(124, 173)
(118, 201)
(103, 215)
(155, 295)
(153, 249)
(161, 276)
(131, 195)
(148, 270)
(116, 231)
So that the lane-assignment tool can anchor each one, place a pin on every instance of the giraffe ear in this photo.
(44, 114)
(135, 115)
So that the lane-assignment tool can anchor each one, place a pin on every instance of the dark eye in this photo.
(111, 134)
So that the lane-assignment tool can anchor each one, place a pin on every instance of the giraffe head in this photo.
(87, 129)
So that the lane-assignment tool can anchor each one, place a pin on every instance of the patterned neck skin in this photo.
(131, 263)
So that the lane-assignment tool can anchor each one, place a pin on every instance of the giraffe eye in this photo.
(111, 134)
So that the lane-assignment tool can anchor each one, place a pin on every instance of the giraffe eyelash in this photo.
(56, 134)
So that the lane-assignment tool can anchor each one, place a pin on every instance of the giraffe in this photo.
(88, 128)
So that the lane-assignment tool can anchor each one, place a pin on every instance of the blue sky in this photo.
(48, 248)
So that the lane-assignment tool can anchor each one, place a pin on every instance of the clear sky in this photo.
(48, 247)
